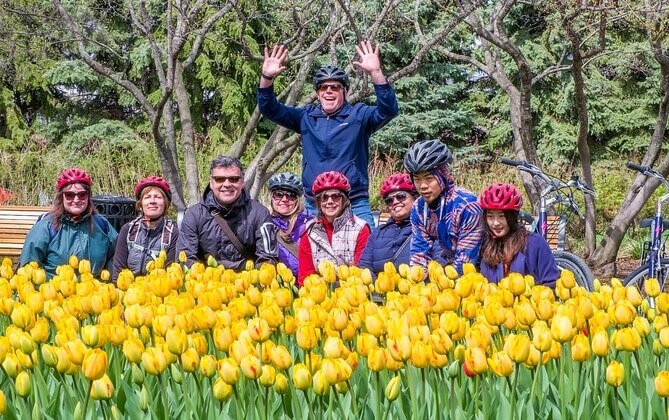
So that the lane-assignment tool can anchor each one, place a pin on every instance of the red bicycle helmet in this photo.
(331, 180)
(72, 176)
(153, 181)
(397, 182)
(501, 196)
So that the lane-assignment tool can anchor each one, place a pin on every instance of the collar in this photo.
(344, 111)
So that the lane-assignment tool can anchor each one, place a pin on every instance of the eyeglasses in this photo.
(280, 195)
(400, 196)
(222, 179)
(335, 88)
(70, 195)
(334, 197)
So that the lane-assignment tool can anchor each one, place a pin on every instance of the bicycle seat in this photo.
(645, 223)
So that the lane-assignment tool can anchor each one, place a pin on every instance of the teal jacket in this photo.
(52, 248)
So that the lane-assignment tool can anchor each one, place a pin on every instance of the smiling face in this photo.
(427, 185)
(153, 202)
(331, 95)
(399, 204)
(226, 183)
(75, 199)
(284, 202)
(497, 223)
(332, 204)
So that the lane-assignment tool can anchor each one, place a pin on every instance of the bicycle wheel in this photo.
(576, 265)
(638, 277)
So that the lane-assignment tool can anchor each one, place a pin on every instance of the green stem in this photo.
(163, 396)
(266, 403)
(377, 413)
(561, 386)
(88, 397)
(452, 404)
(513, 392)
(615, 399)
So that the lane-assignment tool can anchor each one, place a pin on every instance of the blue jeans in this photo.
(360, 208)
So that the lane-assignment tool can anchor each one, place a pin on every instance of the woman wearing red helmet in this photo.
(142, 239)
(72, 227)
(507, 246)
(336, 234)
(392, 240)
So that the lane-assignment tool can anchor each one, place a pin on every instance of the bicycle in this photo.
(654, 258)
(557, 193)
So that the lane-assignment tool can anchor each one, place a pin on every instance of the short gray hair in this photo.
(223, 161)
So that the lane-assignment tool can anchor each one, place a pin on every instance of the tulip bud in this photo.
(73, 261)
(102, 389)
(321, 385)
(177, 376)
(22, 383)
(95, 364)
(78, 412)
(393, 388)
(137, 375)
(251, 367)
(281, 383)
(301, 377)
(268, 376)
(144, 399)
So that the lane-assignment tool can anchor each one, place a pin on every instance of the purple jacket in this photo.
(284, 255)
(537, 260)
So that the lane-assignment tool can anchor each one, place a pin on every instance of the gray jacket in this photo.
(200, 235)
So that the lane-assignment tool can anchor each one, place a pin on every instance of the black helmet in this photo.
(286, 181)
(330, 72)
(427, 155)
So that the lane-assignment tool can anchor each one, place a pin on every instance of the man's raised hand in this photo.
(370, 61)
(273, 63)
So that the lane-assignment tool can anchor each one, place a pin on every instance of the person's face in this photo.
(331, 96)
(75, 199)
(332, 204)
(284, 202)
(153, 202)
(497, 223)
(427, 185)
(226, 183)
(399, 204)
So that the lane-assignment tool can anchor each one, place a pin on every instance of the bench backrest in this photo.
(15, 223)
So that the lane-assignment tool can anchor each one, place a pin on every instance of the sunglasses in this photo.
(334, 197)
(70, 195)
(334, 88)
(222, 179)
(280, 195)
(400, 196)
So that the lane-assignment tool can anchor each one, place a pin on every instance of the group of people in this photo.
(325, 216)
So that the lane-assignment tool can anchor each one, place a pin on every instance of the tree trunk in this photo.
(521, 123)
(187, 137)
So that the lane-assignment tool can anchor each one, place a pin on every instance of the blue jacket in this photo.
(73, 238)
(285, 256)
(537, 260)
(384, 243)
(337, 142)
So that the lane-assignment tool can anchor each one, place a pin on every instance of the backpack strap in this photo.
(230, 234)
(132, 232)
(168, 229)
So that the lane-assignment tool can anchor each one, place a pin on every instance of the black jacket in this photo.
(200, 235)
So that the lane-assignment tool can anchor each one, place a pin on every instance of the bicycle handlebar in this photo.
(511, 162)
(638, 168)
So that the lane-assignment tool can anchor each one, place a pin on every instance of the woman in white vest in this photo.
(336, 234)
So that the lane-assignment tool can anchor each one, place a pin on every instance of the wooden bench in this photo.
(15, 223)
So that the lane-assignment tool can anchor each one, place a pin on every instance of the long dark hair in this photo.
(58, 209)
(498, 250)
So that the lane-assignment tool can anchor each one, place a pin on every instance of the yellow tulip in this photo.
(662, 384)
(652, 287)
(267, 376)
(301, 377)
(662, 302)
(228, 370)
(580, 348)
(376, 360)
(95, 364)
(190, 360)
(420, 353)
(623, 312)
(542, 340)
(615, 374)
(177, 340)
(500, 363)
(281, 358)
(626, 339)
(600, 343)
(320, 385)
(154, 361)
(517, 347)
(23, 317)
(208, 365)
(375, 325)
(400, 348)
(475, 361)
(251, 367)
(562, 328)
(133, 349)
(281, 383)
(22, 384)
(306, 337)
(221, 390)
(102, 389)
